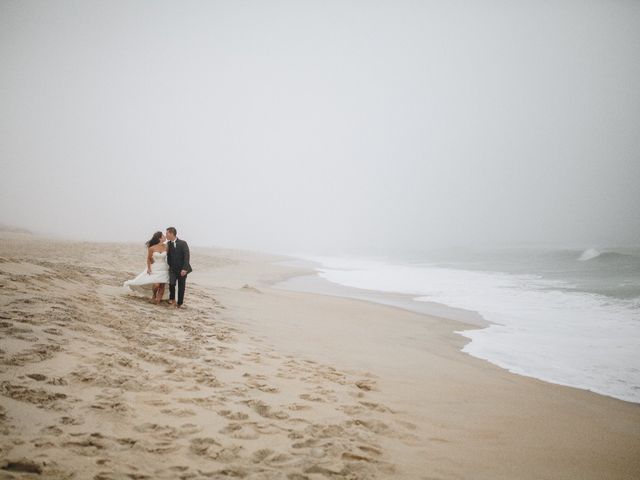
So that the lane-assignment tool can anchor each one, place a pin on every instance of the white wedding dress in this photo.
(143, 283)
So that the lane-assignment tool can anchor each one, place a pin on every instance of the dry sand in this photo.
(254, 382)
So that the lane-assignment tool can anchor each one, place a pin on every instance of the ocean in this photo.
(565, 316)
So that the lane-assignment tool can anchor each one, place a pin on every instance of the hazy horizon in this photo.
(309, 127)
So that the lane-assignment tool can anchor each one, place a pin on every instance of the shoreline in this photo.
(258, 382)
(314, 284)
(540, 346)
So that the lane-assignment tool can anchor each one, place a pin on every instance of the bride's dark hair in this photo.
(154, 240)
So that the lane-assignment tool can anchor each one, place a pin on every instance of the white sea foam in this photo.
(577, 339)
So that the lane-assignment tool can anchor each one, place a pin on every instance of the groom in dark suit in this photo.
(178, 260)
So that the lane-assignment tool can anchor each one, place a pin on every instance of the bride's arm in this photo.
(149, 260)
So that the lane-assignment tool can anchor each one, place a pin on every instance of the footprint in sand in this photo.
(320, 394)
(110, 403)
(244, 431)
(22, 465)
(156, 402)
(377, 407)
(233, 415)
(269, 457)
(70, 421)
(265, 410)
(370, 450)
(258, 382)
(51, 430)
(366, 385)
(210, 448)
(312, 397)
(52, 331)
(352, 409)
(178, 412)
(37, 353)
(375, 426)
(210, 403)
(254, 357)
(167, 431)
(39, 397)
(214, 362)
(87, 445)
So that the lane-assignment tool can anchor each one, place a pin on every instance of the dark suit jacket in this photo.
(178, 257)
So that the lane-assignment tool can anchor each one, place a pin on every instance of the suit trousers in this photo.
(182, 283)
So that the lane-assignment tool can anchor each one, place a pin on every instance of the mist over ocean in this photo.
(567, 316)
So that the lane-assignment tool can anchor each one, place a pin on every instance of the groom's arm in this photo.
(185, 258)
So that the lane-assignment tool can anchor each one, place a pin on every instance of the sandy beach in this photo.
(251, 381)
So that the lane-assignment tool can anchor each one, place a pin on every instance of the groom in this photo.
(178, 260)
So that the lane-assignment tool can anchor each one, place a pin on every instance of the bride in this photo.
(156, 276)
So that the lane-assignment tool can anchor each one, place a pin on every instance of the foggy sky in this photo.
(303, 126)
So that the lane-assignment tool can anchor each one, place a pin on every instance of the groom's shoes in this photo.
(172, 302)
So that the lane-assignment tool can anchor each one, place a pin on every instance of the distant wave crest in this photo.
(613, 258)
(588, 254)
